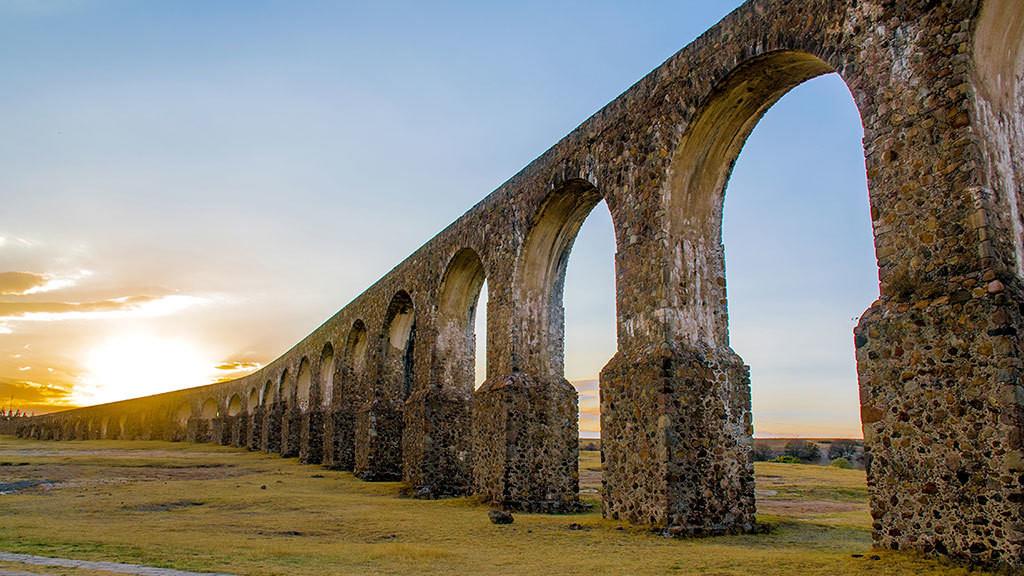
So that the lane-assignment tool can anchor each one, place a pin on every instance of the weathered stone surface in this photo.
(938, 86)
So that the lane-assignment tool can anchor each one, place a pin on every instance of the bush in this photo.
(848, 449)
(802, 450)
(788, 460)
(763, 453)
(841, 463)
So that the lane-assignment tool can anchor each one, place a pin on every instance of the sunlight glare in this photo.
(129, 366)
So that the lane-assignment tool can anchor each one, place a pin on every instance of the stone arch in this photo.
(356, 347)
(267, 393)
(285, 389)
(399, 346)
(303, 384)
(253, 399)
(540, 277)
(208, 410)
(235, 405)
(326, 375)
(456, 311)
(121, 426)
(698, 176)
(182, 414)
(104, 427)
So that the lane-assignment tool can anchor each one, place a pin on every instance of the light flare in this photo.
(133, 365)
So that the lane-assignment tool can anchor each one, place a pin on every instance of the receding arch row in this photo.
(938, 88)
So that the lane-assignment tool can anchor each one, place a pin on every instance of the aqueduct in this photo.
(382, 387)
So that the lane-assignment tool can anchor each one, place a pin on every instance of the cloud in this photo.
(24, 283)
(128, 306)
(236, 369)
(27, 394)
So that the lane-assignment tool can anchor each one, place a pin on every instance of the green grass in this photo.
(202, 507)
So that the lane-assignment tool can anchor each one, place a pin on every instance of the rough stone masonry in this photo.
(385, 386)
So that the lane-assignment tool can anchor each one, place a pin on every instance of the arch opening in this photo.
(285, 389)
(794, 328)
(400, 328)
(458, 304)
(327, 368)
(254, 398)
(235, 405)
(209, 409)
(304, 383)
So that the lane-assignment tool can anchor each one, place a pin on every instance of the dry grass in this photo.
(201, 507)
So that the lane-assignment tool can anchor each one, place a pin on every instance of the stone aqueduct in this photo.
(385, 387)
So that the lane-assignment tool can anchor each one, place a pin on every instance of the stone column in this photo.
(271, 441)
(339, 438)
(437, 446)
(379, 440)
(312, 436)
(255, 433)
(291, 422)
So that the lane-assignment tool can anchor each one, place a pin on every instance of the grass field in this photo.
(209, 508)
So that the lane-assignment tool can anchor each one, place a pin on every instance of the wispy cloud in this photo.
(128, 306)
(25, 283)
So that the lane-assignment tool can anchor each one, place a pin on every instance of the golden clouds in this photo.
(33, 396)
(17, 283)
(98, 309)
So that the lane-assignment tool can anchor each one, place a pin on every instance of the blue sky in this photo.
(250, 167)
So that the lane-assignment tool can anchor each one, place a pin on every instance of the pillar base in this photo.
(676, 441)
(197, 430)
(379, 441)
(311, 442)
(437, 444)
(941, 406)
(339, 439)
(255, 432)
(526, 444)
(271, 439)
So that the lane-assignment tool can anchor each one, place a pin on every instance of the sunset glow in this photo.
(135, 365)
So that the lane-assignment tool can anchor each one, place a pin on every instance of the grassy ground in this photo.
(202, 507)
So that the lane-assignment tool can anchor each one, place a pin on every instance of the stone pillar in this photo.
(437, 445)
(379, 441)
(339, 439)
(255, 435)
(676, 441)
(198, 430)
(221, 427)
(312, 437)
(271, 440)
(291, 423)
(526, 440)
(239, 430)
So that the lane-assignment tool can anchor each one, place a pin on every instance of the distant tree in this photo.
(841, 463)
(802, 449)
(849, 449)
(763, 452)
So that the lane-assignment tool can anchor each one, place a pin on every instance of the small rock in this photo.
(263, 487)
(500, 516)
(575, 526)
(875, 557)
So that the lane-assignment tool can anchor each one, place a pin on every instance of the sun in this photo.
(133, 365)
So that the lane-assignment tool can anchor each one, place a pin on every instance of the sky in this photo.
(189, 188)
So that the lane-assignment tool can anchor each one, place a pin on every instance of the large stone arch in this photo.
(437, 445)
(347, 399)
(291, 415)
(326, 376)
(310, 384)
(526, 429)
(380, 421)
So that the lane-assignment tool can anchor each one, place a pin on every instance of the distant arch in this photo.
(304, 384)
(209, 409)
(355, 348)
(267, 393)
(182, 415)
(457, 302)
(541, 275)
(235, 405)
(400, 332)
(285, 388)
(326, 375)
(254, 398)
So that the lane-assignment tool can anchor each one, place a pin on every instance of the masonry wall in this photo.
(939, 354)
